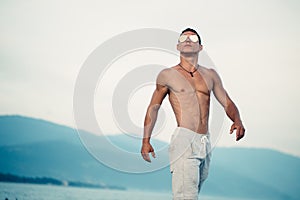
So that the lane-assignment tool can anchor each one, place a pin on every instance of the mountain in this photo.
(33, 147)
(38, 148)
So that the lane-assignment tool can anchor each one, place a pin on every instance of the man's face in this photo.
(188, 46)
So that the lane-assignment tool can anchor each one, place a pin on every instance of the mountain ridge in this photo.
(30, 147)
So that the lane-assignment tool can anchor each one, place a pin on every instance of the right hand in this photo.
(146, 149)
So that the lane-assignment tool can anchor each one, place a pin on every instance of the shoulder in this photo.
(210, 72)
(164, 76)
(165, 73)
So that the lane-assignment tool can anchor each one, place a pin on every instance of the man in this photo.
(188, 86)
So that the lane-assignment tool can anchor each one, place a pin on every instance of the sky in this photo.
(253, 44)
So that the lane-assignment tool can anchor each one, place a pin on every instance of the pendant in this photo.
(192, 75)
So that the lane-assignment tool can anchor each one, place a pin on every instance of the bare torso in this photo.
(190, 97)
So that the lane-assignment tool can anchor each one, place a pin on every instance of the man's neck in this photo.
(189, 62)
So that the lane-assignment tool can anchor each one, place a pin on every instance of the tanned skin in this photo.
(189, 96)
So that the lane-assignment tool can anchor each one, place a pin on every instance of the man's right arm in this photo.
(150, 119)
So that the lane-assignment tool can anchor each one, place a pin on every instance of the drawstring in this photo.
(204, 140)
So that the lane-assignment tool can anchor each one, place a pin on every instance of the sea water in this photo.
(13, 191)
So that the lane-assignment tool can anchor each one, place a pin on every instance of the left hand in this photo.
(240, 130)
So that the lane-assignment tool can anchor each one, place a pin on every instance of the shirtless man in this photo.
(188, 86)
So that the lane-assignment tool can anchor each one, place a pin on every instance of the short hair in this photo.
(191, 30)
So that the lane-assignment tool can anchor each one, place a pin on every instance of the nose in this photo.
(188, 39)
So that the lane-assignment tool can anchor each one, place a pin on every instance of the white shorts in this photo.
(190, 155)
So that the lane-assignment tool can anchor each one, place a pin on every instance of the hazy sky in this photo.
(254, 45)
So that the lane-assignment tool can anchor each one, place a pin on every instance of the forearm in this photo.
(149, 122)
(232, 112)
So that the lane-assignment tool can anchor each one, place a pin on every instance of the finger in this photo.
(153, 154)
(238, 132)
(239, 137)
(146, 157)
(242, 133)
(232, 128)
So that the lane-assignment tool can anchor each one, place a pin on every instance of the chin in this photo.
(187, 52)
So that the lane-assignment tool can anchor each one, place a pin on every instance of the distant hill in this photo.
(38, 148)
(51, 181)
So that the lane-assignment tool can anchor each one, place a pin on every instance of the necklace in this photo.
(191, 73)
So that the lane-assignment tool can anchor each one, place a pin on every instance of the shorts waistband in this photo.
(189, 133)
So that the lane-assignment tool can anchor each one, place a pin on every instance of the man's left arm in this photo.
(229, 106)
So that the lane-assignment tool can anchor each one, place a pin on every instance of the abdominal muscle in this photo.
(191, 110)
(189, 98)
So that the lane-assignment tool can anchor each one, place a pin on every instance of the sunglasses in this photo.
(193, 38)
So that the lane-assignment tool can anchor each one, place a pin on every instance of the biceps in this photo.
(159, 95)
(221, 95)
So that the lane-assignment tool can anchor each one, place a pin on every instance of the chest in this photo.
(183, 82)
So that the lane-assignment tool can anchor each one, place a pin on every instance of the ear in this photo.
(200, 47)
(177, 46)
